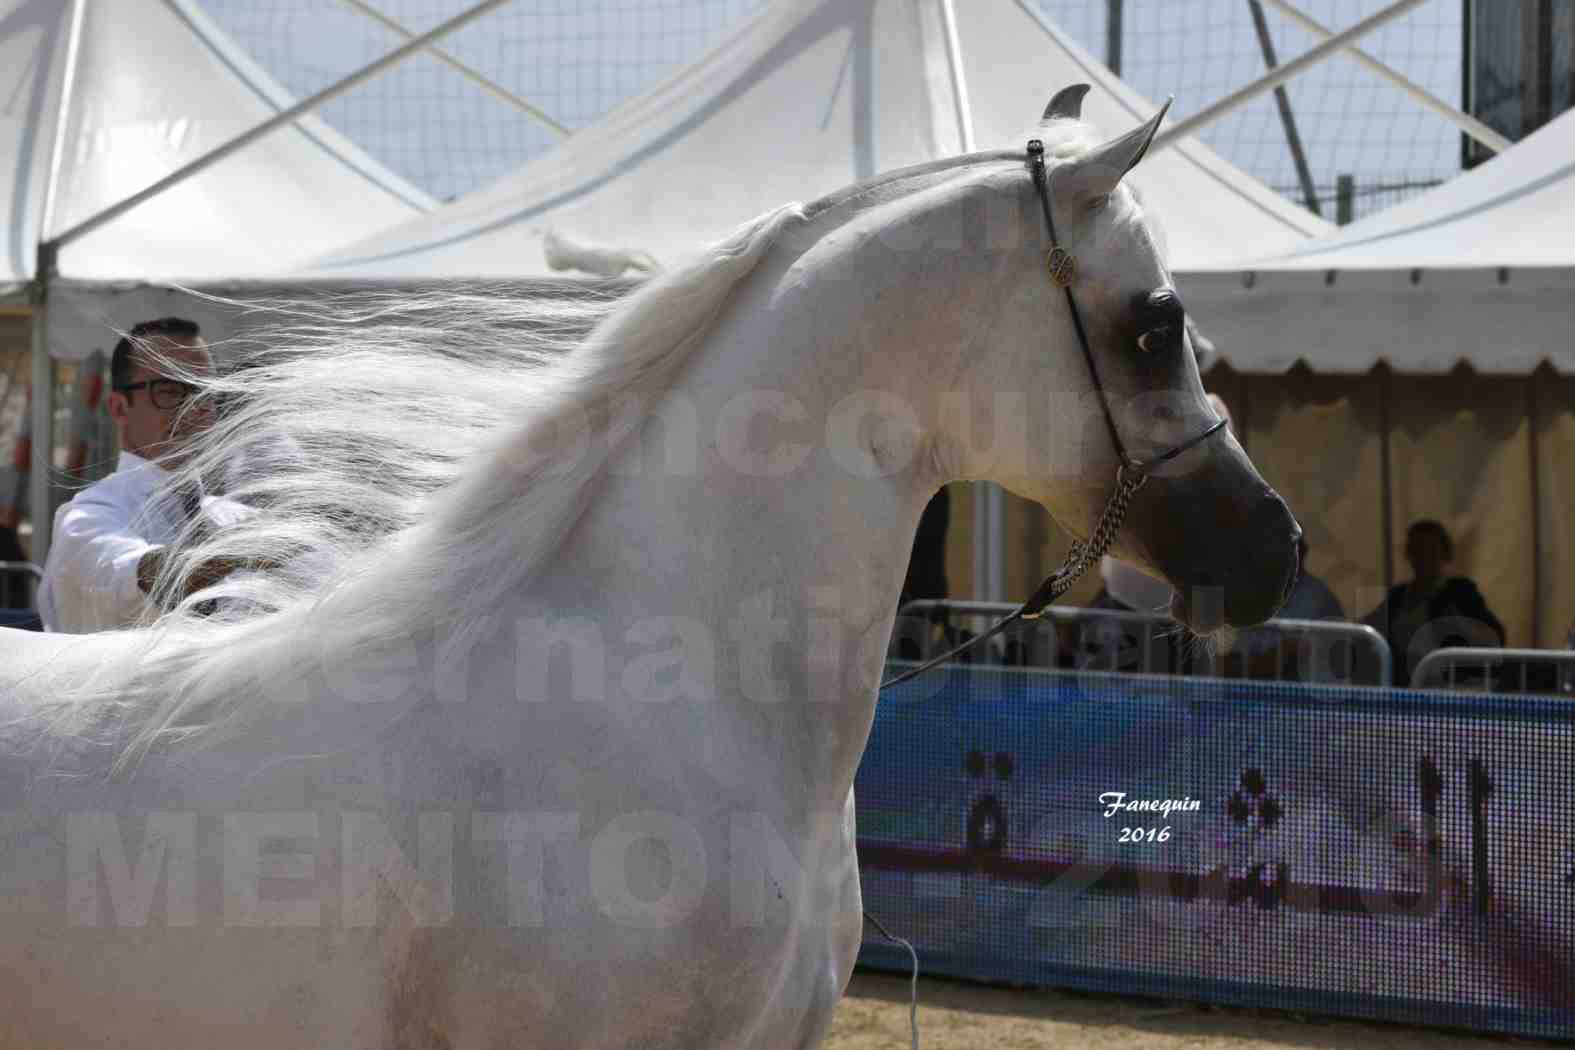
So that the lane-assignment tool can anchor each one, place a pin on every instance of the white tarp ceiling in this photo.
(1480, 270)
(157, 85)
(804, 98)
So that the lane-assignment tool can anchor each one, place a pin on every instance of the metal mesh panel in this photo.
(1351, 851)
(576, 59)
(1350, 121)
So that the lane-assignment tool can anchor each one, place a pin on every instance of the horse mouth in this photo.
(1244, 584)
(1209, 610)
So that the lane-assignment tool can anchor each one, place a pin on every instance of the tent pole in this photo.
(1464, 121)
(1114, 34)
(1536, 510)
(40, 496)
(57, 149)
(470, 73)
(1386, 477)
(989, 506)
(1288, 119)
(959, 78)
(288, 116)
(1275, 77)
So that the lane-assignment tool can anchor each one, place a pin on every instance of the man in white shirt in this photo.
(109, 541)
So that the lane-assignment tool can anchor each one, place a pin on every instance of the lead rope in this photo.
(913, 983)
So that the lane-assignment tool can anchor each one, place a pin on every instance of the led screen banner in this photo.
(1376, 853)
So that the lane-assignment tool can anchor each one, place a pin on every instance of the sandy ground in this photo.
(959, 1016)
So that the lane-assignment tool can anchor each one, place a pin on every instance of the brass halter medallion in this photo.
(1062, 265)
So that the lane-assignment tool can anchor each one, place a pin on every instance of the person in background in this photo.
(926, 577)
(1267, 653)
(1310, 597)
(13, 585)
(110, 540)
(1432, 610)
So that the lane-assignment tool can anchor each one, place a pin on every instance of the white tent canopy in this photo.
(32, 49)
(805, 97)
(155, 86)
(1480, 270)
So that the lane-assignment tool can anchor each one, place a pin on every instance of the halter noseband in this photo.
(1061, 266)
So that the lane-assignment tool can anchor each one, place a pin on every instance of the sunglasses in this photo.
(164, 393)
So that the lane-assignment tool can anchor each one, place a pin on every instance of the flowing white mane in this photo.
(413, 458)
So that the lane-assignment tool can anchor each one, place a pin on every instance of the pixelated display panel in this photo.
(1373, 853)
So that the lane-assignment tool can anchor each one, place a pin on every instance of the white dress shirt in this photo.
(90, 577)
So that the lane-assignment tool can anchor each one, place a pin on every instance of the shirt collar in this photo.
(132, 461)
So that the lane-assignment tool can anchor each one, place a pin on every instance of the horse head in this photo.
(1124, 397)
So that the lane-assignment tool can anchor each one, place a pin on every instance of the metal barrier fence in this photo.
(1378, 853)
(1093, 639)
(1497, 670)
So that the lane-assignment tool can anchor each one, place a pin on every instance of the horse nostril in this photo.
(1296, 567)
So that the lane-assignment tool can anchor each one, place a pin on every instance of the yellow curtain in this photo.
(1460, 449)
(1316, 439)
(1553, 398)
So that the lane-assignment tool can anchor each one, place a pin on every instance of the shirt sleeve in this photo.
(1329, 606)
(91, 572)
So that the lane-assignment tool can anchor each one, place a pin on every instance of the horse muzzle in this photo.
(1244, 574)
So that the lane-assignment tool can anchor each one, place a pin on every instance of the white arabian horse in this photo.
(540, 729)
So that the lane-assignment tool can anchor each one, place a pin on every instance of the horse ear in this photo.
(1095, 174)
(1067, 104)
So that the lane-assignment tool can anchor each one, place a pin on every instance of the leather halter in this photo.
(1061, 267)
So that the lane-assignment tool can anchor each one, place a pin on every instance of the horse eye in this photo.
(1163, 337)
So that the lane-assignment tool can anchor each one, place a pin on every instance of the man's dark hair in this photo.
(1430, 526)
(123, 363)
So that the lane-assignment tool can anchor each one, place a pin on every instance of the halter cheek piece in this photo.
(1061, 267)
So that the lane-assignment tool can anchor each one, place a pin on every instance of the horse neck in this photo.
(787, 579)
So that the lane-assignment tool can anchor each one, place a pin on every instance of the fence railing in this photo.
(1094, 639)
(1497, 670)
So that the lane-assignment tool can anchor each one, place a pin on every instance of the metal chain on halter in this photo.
(1079, 557)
